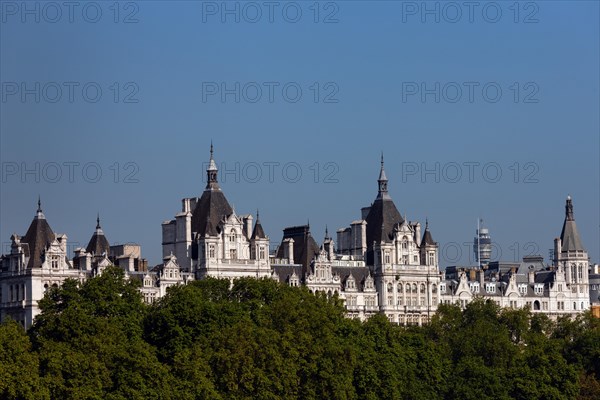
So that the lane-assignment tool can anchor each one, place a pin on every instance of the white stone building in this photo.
(383, 262)
(210, 239)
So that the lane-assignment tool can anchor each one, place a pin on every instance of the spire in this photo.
(326, 232)
(569, 209)
(39, 213)
(98, 244)
(569, 236)
(258, 232)
(211, 171)
(427, 238)
(382, 182)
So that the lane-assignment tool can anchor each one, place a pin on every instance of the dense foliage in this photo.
(264, 340)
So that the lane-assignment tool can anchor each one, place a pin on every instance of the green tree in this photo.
(19, 365)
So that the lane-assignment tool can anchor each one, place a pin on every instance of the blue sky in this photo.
(507, 94)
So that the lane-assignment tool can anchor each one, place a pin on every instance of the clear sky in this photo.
(488, 109)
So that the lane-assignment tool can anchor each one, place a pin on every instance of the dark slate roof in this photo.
(383, 216)
(305, 247)
(258, 232)
(212, 206)
(569, 236)
(427, 239)
(210, 229)
(38, 237)
(98, 243)
(544, 277)
(358, 273)
(286, 271)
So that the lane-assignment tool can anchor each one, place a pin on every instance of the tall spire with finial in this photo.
(39, 213)
(258, 232)
(569, 236)
(382, 182)
(569, 209)
(427, 239)
(211, 171)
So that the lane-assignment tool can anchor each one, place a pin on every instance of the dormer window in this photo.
(232, 235)
(539, 289)
(54, 262)
(523, 289)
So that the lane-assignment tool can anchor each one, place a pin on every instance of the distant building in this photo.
(482, 246)
(383, 263)
(39, 260)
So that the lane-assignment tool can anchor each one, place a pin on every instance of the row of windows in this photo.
(150, 297)
(410, 288)
(233, 252)
(15, 292)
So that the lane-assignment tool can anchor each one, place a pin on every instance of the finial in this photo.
(382, 158)
(257, 215)
(326, 232)
(426, 223)
(211, 148)
(98, 221)
(308, 223)
(569, 209)
(39, 204)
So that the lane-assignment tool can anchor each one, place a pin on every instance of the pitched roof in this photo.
(98, 244)
(305, 247)
(382, 217)
(427, 239)
(258, 232)
(212, 206)
(569, 237)
(38, 238)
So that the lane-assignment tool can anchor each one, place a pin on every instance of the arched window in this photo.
(399, 288)
(414, 288)
(434, 288)
(536, 305)
(404, 243)
(422, 288)
(232, 235)
(390, 288)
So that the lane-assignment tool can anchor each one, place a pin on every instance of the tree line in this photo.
(259, 339)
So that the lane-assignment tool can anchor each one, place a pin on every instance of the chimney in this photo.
(288, 250)
(481, 277)
(531, 276)
(248, 221)
(472, 275)
(557, 249)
